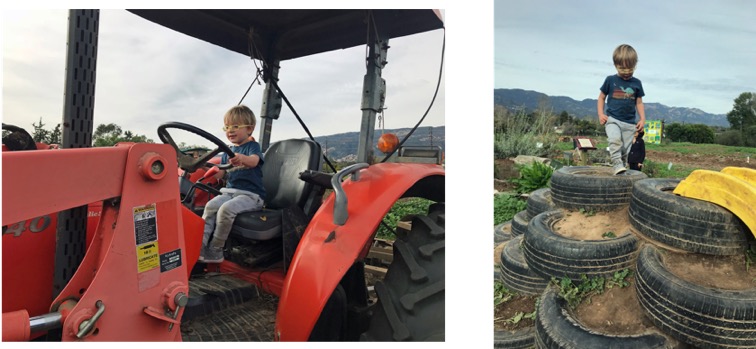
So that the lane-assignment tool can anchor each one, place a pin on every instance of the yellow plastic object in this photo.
(744, 173)
(734, 188)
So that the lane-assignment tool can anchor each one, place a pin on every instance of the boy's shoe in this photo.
(211, 255)
(619, 169)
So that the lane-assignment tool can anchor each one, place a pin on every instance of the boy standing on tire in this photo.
(622, 94)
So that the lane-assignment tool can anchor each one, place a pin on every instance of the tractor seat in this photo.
(284, 160)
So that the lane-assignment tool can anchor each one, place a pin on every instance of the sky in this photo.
(695, 54)
(148, 75)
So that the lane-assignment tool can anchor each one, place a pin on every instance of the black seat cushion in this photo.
(258, 225)
(283, 162)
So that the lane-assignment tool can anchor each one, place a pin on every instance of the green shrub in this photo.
(729, 138)
(402, 208)
(532, 177)
(506, 207)
(519, 133)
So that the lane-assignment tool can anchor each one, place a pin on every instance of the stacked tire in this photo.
(705, 317)
(663, 223)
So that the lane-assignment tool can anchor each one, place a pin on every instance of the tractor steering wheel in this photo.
(186, 161)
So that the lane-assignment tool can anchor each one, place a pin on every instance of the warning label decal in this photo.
(145, 224)
(170, 260)
(147, 257)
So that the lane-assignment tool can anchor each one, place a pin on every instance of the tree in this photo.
(55, 136)
(107, 135)
(696, 133)
(40, 134)
(743, 113)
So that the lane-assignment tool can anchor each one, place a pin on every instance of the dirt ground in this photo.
(593, 226)
(707, 162)
(616, 311)
(507, 310)
(726, 272)
(504, 169)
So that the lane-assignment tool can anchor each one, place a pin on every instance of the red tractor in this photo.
(101, 244)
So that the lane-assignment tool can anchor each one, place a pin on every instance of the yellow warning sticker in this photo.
(147, 257)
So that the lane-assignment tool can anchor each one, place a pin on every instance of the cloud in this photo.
(148, 75)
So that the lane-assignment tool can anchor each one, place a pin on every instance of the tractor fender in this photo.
(327, 251)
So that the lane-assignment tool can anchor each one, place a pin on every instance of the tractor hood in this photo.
(288, 34)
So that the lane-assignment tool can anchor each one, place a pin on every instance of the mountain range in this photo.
(529, 100)
(343, 146)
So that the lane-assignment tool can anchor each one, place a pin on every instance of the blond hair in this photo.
(240, 115)
(625, 57)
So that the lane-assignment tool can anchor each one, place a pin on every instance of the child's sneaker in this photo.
(619, 169)
(211, 255)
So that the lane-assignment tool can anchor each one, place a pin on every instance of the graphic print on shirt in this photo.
(623, 92)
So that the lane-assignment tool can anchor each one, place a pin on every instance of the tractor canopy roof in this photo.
(288, 34)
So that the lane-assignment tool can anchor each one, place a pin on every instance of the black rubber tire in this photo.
(556, 328)
(520, 223)
(552, 255)
(411, 297)
(539, 201)
(592, 188)
(502, 233)
(523, 338)
(515, 273)
(683, 223)
(701, 316)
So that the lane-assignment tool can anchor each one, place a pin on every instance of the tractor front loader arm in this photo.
(133, 281)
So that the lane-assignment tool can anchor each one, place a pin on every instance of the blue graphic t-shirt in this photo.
(621, 95)
(249, 179)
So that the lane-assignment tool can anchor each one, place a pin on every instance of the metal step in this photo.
(223, 308)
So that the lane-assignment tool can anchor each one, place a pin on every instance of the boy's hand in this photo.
(640, 124)
(603, 118)
(237, 160)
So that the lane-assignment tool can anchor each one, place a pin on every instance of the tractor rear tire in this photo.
(411, 297)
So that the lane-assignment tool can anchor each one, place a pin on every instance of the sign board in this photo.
(653, 131)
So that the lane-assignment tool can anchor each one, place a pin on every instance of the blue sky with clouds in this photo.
(697, 54)
(147, 75)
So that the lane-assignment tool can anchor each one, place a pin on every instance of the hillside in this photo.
(343, 146)
(517, 98)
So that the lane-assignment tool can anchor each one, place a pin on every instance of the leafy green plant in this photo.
(532, 177)
(620, 279)
(402, 208)
(609, 235)
(587, 213)
(588, 287)
(506, 207)
(501, 293)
